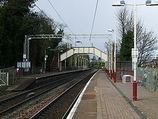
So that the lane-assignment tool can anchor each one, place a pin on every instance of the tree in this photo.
(12, 13)
(43, 25)
(122, 17)
(146, 47)
(146, 41)
(16, 21)
(126, 46)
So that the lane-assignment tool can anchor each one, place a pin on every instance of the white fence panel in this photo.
(4, 76)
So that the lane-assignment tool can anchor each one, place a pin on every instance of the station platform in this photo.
(103, 99)
(26, 80)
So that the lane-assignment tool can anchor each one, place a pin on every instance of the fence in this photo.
(11, 75)
(8, 76)
(123, 68)
(148, 77)
(4, 76)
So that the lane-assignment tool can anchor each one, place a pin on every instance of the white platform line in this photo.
(73, 110)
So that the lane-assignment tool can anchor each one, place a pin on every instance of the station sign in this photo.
(23, 64)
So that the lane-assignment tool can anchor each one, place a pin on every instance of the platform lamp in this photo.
(77, 61)
(45, 58)
(109, 56)
(114, 33)
(134, 50)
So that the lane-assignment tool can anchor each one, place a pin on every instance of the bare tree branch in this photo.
(146, 41)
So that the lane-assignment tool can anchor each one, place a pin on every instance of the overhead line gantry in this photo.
(51, 36)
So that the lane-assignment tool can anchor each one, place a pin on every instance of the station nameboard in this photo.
(23, 64)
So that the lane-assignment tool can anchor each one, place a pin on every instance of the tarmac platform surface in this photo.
(25, 81)
(103, 99)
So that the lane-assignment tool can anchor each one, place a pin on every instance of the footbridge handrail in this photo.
(83, 50)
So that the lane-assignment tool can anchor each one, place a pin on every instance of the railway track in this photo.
(17, 106)
(60, 107)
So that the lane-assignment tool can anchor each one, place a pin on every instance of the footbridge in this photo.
(83, 50)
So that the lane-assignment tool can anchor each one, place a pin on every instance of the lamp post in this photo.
(114, 74)
(80, 56)
(26, 55)
(78, 42)
(60, 50)
(45, 58)
(108, 52)
(134, 50)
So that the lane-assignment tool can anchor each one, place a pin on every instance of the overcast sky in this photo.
(79, 14)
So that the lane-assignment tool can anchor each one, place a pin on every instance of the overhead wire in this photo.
(62, 19)
(93, 21)
(57, 13)
(60, 16)
(45, 14)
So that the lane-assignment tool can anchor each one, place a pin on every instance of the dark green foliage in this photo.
(16, 21)
(126, 46)
(12, 13)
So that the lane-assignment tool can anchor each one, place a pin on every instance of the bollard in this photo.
(114, 77)
(134, 91)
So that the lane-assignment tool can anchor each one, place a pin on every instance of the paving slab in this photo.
(147, 100)
(108, 102)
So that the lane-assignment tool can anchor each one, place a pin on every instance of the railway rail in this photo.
(37, 95)
(60, 107)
